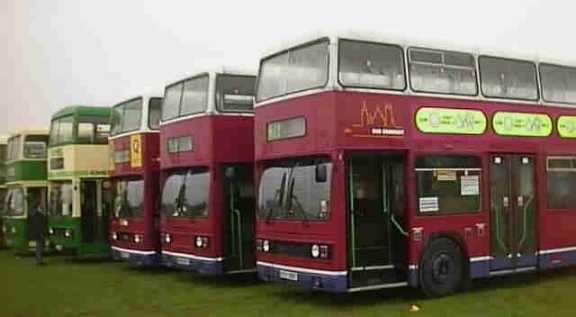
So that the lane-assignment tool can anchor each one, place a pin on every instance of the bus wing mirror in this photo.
(321, 173)
(230, 172)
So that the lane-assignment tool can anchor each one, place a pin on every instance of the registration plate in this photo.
(288, 275)
(125, 255)
(182, 261)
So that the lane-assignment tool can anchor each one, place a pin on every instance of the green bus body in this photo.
(25, 187)
(78, 168)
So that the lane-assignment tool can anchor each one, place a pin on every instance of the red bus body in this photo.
(136, 239)
(341, 123)
(219, 140)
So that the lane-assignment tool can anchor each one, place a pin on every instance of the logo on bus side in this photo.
(378, 121)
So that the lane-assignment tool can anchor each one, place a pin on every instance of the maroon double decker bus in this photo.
(382, 165)
(135, 173)
(207, 158)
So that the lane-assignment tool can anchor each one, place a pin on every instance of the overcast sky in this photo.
(55, 53)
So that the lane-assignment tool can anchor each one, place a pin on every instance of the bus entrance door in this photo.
(513, 213)
(89, 211)
(377, 245)
(239, 218)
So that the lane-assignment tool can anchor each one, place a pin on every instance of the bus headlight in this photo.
(266, 246)
(138, 238)
(319, 251)
(4, 229)
(114, 236)
(315, 251)
(51, 231)
(13, 230)
(167, 238)
(68, 233)
(201, 242)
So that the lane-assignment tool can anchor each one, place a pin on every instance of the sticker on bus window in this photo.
(445, 175)
(470, 185)
(429, 204)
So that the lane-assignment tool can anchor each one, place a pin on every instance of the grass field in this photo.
(67, 288)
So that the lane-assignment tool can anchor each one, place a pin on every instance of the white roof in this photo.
(510, 52)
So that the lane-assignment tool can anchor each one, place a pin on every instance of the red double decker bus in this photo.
(207, 158)
(382, 165)
(135, 165)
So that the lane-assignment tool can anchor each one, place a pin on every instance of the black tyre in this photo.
(441, 268)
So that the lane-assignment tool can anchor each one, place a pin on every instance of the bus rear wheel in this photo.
(441, 268)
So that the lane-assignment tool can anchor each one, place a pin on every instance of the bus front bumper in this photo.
(185, 261)
(138, 257)
(328, 281)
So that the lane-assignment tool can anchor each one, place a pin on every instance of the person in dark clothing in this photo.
(38, 228)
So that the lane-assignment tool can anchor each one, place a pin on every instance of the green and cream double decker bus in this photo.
(78, 180)
(25, 169)
(3, 146)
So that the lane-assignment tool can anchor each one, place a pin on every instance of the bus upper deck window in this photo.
(558, 83)
(297, 69)
(371, 65)
(235, 93)
(506, 78)
(85, 132)
(437, 71)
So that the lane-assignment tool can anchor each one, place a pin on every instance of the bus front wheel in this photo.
(441, 268)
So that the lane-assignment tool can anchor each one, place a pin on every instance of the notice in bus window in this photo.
(429, 204)
(446, 175)
(470, 185)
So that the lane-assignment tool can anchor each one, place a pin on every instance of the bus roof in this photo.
(83, 111)
(509, 52)
(30, 131)
(224, 70)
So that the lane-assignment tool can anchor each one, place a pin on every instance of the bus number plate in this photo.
(291, 276)
(182, 261)
(125, 255)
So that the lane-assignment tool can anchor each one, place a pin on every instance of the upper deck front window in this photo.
(154, 113)
(235, 93)
(298, 69)
(14, 144)
(127, 116)
(371, 65)
(62, 130)
(85, 130)
(186, 98)
(35, 146)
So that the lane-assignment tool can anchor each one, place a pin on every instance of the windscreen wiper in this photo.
(294, 198)
(278, 197)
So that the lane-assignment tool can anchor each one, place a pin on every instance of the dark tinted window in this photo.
(154, 113)
(561, 181)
